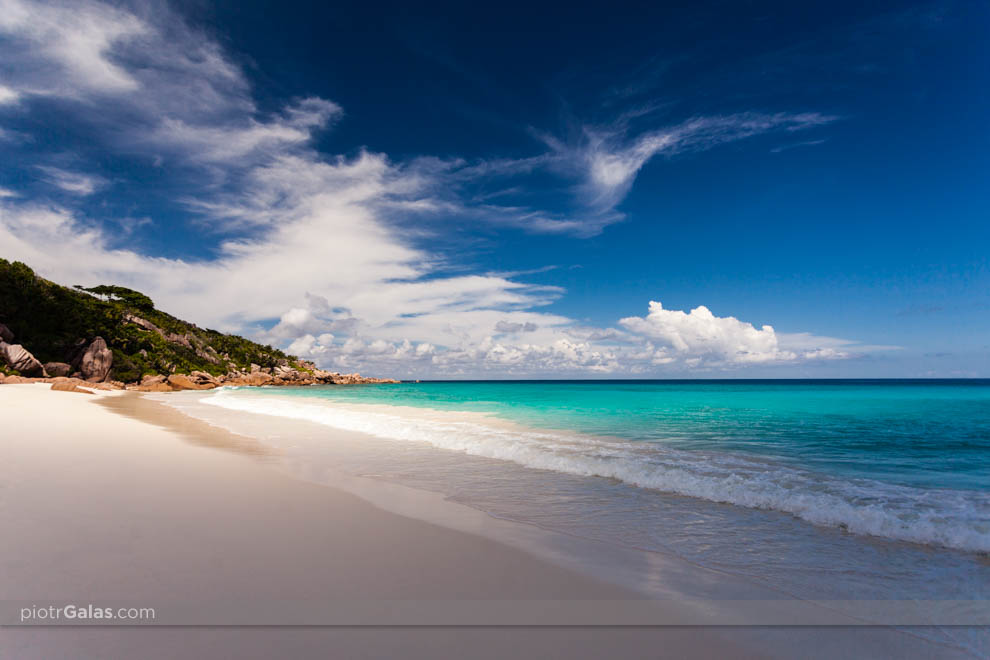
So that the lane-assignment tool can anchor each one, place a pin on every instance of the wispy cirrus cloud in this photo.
(597, 168)
(66, 53)
(795, 145)
(236, 140)
(606, 160)
(76, 183)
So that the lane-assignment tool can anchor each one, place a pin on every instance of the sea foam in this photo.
(958, 519)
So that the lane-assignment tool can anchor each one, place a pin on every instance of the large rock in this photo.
(208, 354)
(74, 354)
(58, 369)
(184, 340)
(5, 334)
(151, 379)
(286, 372)
(16, 357)
(202, 377)
(358, 379)
(181, 382)
(69, 386)
(152, 387)
(107, 387)
(253, 379)
(96, 361)
(20, 380)
(143, 323)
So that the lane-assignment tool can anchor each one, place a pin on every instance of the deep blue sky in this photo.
(867, 222)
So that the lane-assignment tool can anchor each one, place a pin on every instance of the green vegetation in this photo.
(118, 293)
(53, 321)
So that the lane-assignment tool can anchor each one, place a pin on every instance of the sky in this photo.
(691, 189)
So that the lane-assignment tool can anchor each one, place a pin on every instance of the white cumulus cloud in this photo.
(700, 337)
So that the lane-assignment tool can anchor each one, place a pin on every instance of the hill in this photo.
(112, 333)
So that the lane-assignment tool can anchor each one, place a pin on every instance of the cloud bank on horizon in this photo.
(324, 253)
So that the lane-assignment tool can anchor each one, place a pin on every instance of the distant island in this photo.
(113, 337)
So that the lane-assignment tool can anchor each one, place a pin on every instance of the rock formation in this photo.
(17, 357)
(180, 382)
(96, 361)
(57, 369)
(69, 386)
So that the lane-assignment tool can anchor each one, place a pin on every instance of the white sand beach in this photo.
(113, 498)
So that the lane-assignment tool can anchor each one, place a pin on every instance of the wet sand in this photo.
(115, 498)
(99, 507)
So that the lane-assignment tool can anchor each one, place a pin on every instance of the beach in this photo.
(116, 498)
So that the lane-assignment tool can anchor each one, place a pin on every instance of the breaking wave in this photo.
(957, 519)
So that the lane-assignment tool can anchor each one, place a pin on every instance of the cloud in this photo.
(315, 252)
(65, 50)
(158, 87)
(8, 95)
(408, 327)
(236, 140)
(795, 145)
(72, 182)
(512, 328)
(608, 161)
(699, 337)
(601, 164)
(91, 51)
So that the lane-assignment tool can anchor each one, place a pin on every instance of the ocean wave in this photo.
(956, 519)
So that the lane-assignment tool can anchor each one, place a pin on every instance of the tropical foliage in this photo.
(53, 321)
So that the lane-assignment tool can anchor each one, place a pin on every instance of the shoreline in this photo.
(104, 507)
(120, 497)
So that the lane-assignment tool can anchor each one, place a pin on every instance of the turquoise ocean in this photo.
(818, 488)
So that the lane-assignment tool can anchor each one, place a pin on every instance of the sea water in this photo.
(849, 489)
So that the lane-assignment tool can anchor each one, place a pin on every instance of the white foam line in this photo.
(950, 518)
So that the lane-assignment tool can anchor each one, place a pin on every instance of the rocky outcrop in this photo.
(69, 386)
(150, 383)
(90, 363)
(58, 369)
(18, 358)
(187, 340)
(63, 383)
(253, 379)
(20, 380)
(200, 380)
(143, 323)
(203, 378)
(358, 379)
(149, 379)
(6, 335)
(182, 340)
(181, 382)
(95, 362)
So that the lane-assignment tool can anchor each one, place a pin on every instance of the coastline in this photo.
(119, 497)
(104, 507)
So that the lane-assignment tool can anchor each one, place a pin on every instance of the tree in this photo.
(120, 293)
